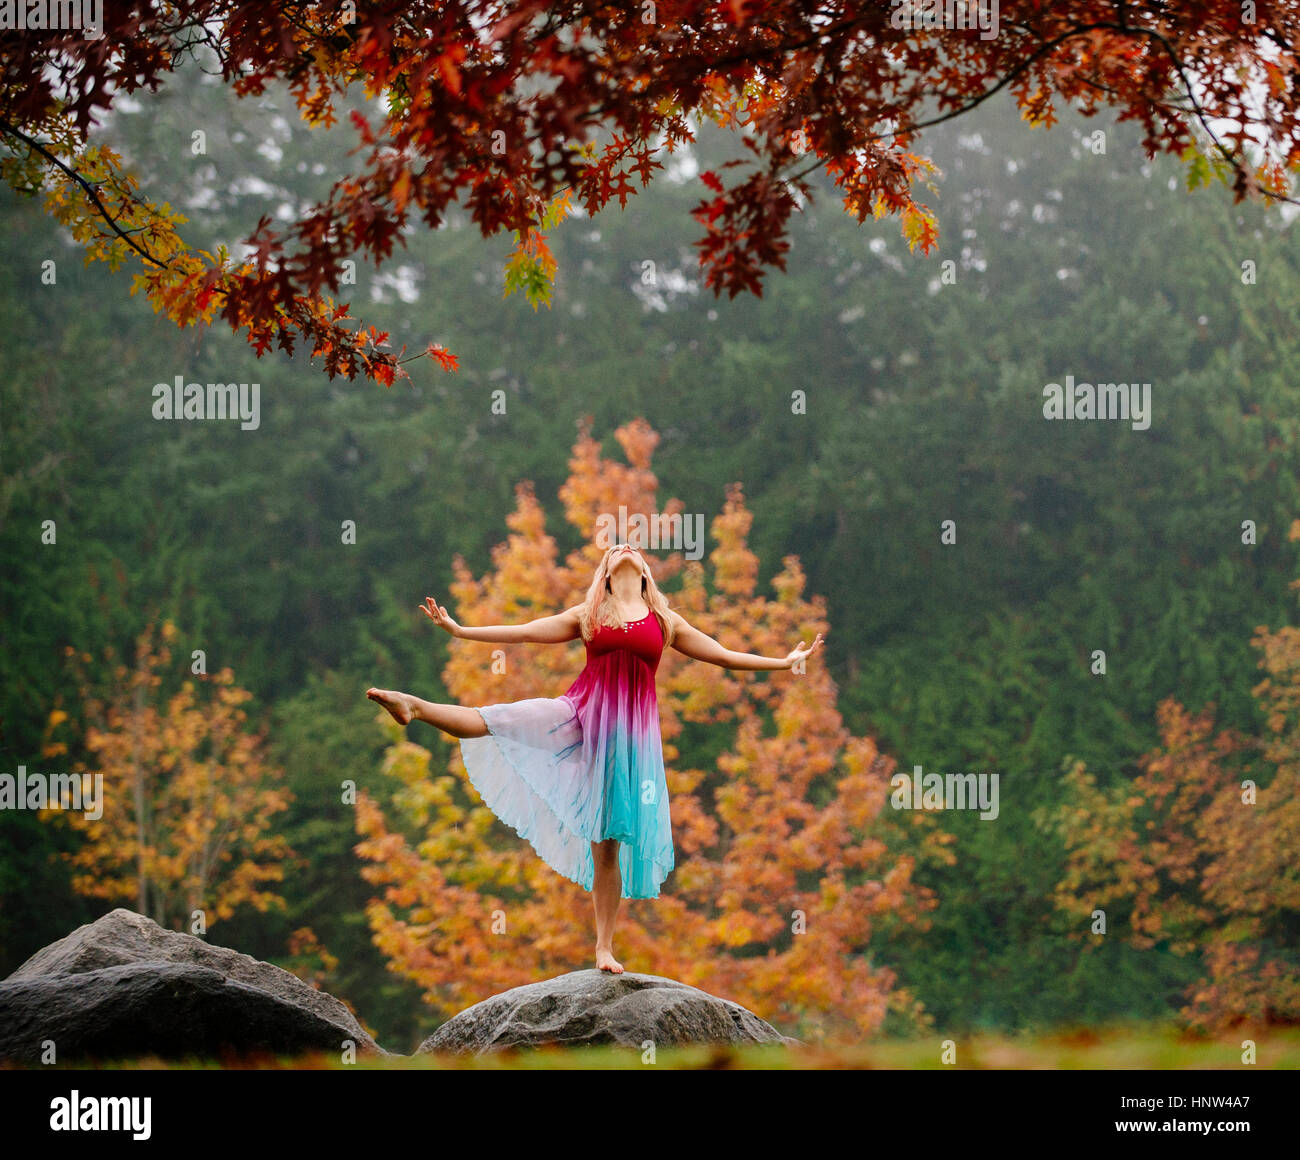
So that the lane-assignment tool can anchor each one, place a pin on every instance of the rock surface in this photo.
(596, 1007)
(169, 1010)
(124, 986)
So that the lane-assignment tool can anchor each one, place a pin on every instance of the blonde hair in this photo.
(598, 610)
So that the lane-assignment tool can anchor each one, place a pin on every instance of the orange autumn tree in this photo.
(1198, 852)
(780, 872)
(187, 794)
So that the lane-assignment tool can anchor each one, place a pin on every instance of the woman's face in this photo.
(625, 556)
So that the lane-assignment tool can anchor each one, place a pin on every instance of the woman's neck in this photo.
(625, 588)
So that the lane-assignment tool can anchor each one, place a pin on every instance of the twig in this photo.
(6, 127)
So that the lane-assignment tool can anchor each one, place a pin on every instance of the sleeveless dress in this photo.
(586, 766)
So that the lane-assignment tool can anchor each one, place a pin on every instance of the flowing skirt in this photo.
(584, 767)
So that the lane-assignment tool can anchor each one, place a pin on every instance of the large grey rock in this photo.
(169, 1010)
(596, 1007)
(221, 996)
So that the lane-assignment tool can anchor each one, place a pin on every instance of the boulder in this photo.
(124, 986)
(169, 1010)
(596, 1007)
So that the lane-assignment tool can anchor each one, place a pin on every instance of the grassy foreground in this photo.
(1109, 1050)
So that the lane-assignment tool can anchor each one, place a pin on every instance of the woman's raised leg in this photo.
(606, 893)
(453, 719)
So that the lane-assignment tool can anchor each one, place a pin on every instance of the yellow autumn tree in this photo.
(781, 871)
(187, 795)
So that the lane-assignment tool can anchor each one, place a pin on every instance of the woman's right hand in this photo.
(439, 616)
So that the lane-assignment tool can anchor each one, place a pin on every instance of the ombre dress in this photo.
(586, 766)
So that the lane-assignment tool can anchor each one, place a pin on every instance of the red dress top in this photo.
(643, 638)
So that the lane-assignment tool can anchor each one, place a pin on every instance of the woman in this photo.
(581, 776)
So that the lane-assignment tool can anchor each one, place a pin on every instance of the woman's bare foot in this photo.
(398, 704)
(606, 961)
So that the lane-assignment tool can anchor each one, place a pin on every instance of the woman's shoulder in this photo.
(578, 614)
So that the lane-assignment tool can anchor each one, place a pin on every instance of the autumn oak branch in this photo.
(514, 111)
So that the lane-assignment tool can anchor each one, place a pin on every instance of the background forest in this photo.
(923, 404)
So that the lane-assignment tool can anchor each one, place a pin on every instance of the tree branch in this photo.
(6, 127)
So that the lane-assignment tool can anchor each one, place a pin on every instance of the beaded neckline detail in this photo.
(628, 624)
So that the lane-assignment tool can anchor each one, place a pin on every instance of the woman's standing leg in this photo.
(606, 894)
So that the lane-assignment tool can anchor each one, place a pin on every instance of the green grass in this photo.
(1145, 1047)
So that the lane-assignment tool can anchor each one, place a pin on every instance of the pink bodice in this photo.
(643, 638)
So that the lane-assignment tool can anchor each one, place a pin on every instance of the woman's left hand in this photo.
(803, 651)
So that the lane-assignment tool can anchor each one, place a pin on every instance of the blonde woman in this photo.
(581, 776)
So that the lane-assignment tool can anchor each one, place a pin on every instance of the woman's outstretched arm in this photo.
(693, 643)
(544, 630)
